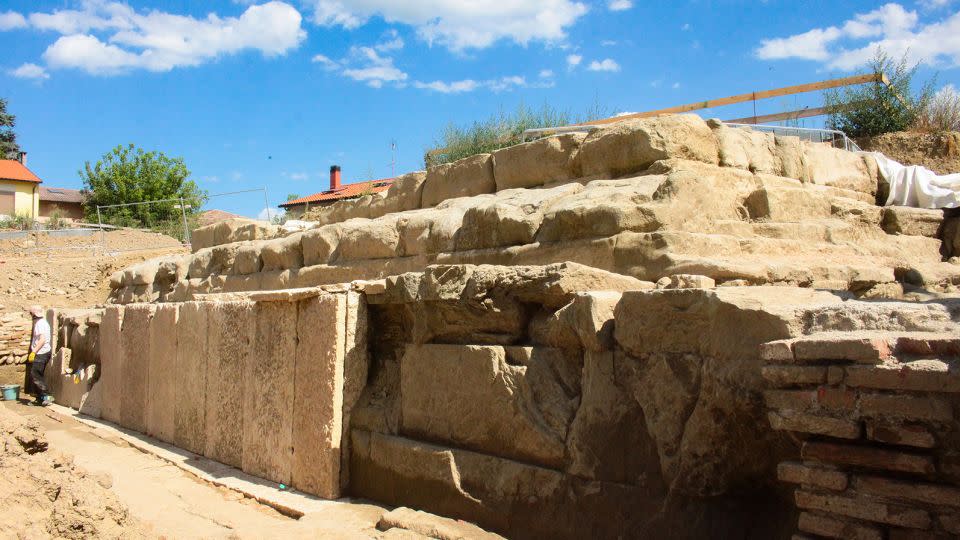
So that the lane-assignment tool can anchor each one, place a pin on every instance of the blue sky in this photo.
(255, 94)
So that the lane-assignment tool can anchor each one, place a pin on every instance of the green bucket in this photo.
(11, 392)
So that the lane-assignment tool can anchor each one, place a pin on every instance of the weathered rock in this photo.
(282, 254)
(464, 178)
(912, 221)
(247, 259)
(551, 159)
(513, 217)
(406, 192)
(368, 239)
(745, 148)
(603, 208)
(838, 168)
(633, 145)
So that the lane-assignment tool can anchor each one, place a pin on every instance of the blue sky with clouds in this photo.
(256, 94)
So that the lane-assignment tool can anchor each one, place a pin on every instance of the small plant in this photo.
(56, 221)
(500, 130)
(20, 222)
(876, 108)
(941, 113)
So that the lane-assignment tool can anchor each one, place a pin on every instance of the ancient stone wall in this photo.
(647, 199)
(14, 338)
(263, 382)
(877, 417)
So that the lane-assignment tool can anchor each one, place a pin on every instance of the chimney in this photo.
(334, 177)
(22, 158)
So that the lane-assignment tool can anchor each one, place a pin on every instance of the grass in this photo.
(941, 112)
(501, 130)
(20, 222)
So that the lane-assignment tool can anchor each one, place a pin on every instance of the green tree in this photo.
(128, 174)
(292, 196)
(876, 108)
(8, 139)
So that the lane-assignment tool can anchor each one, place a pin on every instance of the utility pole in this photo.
(393, 158)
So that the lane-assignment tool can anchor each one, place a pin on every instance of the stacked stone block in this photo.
(876, 417)
(14, 338)
(259, 382)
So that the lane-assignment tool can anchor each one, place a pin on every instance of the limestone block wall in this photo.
(264, 382)
(511, 397)
(877, 415)
(679, 212)
(74, 368)
(646, 198)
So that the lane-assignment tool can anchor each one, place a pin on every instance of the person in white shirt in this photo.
(39, 355)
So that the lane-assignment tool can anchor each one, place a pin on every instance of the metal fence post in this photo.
(266, 204)
(186, 230)
(103, 237)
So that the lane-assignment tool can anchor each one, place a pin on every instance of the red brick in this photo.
(798, 473)
(864, 509)
(815, 424)
(912, 491)
(903, 406)
(864, 456)
(919, 375)
(795, 400)
(936, 345)
(831, 527)
(865, 350)
(792, 375)
(839, 399)
(777, 351)
(905, 435)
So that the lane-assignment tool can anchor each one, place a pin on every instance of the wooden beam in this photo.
(791, 115)
(753, 96)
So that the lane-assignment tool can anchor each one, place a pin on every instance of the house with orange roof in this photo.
(19, 188)
(337, 192)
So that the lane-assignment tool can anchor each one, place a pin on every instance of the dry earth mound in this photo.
(43, 495)
(939, 152)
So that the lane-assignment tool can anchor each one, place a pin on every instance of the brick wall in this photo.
(875, 416)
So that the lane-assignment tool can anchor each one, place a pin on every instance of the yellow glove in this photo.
(31, 356)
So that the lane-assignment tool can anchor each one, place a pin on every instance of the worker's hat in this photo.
(35, 310)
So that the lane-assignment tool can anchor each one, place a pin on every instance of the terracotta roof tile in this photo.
(11, 169)
(348, 191)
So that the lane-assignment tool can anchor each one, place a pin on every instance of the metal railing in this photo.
(832, 136)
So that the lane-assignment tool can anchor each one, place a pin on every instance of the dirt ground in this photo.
(86, 485)
(939, 152)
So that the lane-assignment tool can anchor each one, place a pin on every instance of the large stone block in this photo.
(471, 397)
(162, 380)
(189, 411)
(831, 166)
(229, 346)
(603, 208)
(512, 217)
(111, 364)
(135, 343)
(318, 404)
(552, 159)
(320, 245)
(464, 178)
(633, 145)
(406, 192)
(744, 148)
(282, 253)
(369, 239)
(269, 393)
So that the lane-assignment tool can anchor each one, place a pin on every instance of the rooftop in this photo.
(11, 169)
(64, 195)
(348, 191)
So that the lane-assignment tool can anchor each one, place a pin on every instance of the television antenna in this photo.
(393, 158)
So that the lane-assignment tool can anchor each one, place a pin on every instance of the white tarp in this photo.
(917, 186)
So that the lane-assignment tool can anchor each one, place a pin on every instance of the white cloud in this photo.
(607, 64)
(675, 85)
(459, 25)
(267, 214)
(608, 43)
(891, 27)
(299, 176)
(11, 19)
(30, 71)
(619, 5)
(501, 84)
(372, 68)
(326, 62)
(685, 27)
(546, 73)
(392, 42)
(573, 60)
(455, 87)
(111, 37)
